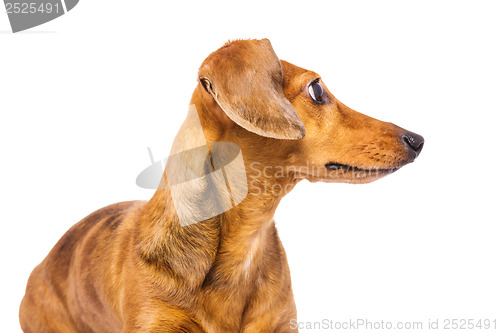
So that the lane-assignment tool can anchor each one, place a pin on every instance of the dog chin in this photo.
(351, 177)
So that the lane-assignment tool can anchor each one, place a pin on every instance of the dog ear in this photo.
(246, 80)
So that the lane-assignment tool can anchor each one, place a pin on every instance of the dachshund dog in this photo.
(134, 267)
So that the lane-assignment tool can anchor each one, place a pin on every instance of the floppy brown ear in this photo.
(245, 79)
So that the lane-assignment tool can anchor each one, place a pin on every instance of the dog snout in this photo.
(414, 143)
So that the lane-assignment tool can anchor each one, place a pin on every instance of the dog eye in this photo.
(316, 91)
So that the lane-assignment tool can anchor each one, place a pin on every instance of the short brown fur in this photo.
(131, 267)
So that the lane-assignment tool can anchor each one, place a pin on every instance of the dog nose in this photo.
(414, 141)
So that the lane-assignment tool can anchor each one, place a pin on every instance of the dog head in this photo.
(283, 116)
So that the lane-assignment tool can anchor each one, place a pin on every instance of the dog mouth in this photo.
(343, 173)
(333, 166)
(333, 172)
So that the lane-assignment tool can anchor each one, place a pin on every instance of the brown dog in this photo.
(132, 267)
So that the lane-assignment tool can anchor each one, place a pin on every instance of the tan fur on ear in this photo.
(245, 79)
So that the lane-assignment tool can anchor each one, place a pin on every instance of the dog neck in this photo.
(227, 248)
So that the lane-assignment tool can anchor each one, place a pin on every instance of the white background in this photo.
(83, 96)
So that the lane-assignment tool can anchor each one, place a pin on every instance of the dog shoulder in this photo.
(99, 224)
